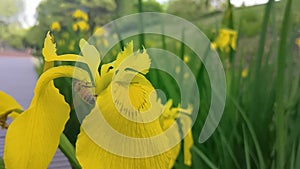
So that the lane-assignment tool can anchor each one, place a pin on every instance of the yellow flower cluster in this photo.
(82, 19)
(55, 26)
(81, 26)
(227, 39)
(79, 14)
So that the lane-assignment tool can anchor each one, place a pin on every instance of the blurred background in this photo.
(258, 43)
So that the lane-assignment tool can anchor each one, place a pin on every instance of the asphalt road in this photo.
(18, 79)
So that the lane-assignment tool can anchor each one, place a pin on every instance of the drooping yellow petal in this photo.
(8, 104)
(33, 137)
(90, 154)
(7, 107)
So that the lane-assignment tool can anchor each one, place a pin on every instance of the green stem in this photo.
(2, 166)
(279, 103)
(142, 36)
(67, 148)
(263, 35)
(252, 133)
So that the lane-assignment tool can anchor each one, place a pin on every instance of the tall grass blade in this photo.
(252, 133)
(209, 163)
(229, 149)
(279, 103)
(263, 35)
(246, 147)
(293, 156)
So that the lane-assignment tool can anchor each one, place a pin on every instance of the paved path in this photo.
(18, 78)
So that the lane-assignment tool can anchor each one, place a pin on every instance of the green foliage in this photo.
(250, 22)
(2, 163)
(10, 8)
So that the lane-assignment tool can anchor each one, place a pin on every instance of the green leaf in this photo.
(209, 163)
(2, 163)
(252, 133)
(246, 147)
(67, 148)
(279, 106)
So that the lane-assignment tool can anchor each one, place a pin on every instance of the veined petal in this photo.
(91, 55)
(138, 61)
(88, 151)
(33, 137)
(128, 50)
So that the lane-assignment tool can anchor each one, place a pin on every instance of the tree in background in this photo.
(10, 21)
(196, 8)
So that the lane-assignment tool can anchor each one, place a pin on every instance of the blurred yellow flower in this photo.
(244, 73)
(227, 39)
(105, 42)
(99, 31)
(79, 14)
(167, 119)
(298, 41)
(55, 26)
(72, 45)
(186, 59)
(81, 26)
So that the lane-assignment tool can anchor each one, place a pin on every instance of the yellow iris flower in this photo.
(226, 39)
(79, 14)
(33, 137)
(55, 26)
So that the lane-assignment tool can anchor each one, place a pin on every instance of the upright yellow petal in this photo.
(91, 55)
(33, 137)
(128, 50)
(49, 52)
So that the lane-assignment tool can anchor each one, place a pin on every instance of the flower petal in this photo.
(33, 137)
(91, 55)
(49, 52)
(8, 104)
(88, 150)
(138, 61)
